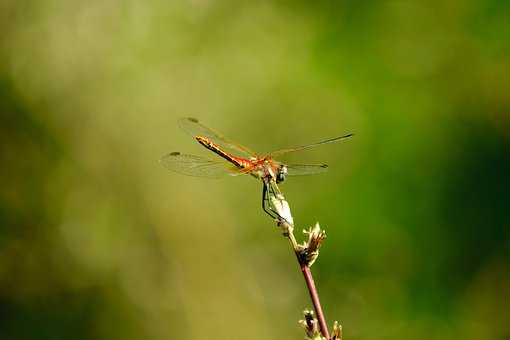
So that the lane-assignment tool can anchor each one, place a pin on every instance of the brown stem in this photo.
(310, 284)
(315, 300)
(283, 210)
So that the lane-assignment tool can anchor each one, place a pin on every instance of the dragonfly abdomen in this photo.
(237, 161)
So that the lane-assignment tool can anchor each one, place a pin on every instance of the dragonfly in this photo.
(236, 159)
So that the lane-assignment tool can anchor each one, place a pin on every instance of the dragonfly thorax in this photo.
(269, 170)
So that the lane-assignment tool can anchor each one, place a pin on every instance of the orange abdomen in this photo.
(237, 161)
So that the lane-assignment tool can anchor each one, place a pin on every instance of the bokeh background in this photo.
(98, 241)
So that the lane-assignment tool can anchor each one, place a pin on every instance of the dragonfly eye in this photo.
(282, 173)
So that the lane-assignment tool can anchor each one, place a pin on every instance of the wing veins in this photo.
(309, 146)
(194, 127)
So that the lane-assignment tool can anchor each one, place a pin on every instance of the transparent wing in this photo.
(196, 166)
(306, 169)
(309, 146)
(195, 128)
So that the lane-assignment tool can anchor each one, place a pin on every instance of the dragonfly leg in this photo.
(271, 190)
(267, 192)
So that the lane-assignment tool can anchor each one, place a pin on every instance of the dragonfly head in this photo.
(281, 173)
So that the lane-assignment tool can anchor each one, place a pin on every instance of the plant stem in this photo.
(307, 273)
(310, 284)
(273, 195)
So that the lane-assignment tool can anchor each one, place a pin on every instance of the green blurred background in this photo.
(98, 241)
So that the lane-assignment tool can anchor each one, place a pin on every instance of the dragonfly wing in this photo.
(194, 127)
(309, 146)
(306, 169)
(196, 166)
